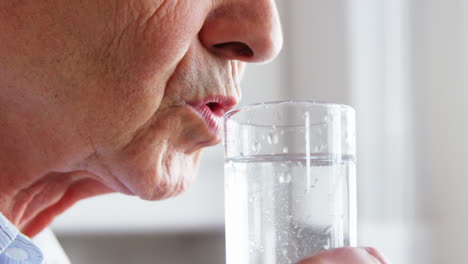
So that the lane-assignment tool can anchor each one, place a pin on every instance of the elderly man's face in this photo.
(139, 85)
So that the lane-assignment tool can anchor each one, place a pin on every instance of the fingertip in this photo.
(376, 254)
(348, 255)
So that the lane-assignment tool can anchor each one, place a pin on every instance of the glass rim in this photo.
(253, 106)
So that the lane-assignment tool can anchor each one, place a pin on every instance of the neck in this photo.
(40, 175)
(34, 207)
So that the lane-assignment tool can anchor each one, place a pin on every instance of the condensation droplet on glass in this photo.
(314, 184)
(273, 137)
(256, 147)
(316, 149)
(284, 252)
(285, 150)
(281, 132)
(242, 154)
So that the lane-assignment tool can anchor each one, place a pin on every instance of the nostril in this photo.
(235, 49)
(216, 108)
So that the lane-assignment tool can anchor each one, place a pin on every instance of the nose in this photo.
(245, 30)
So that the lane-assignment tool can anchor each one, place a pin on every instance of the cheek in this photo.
(141, 60)
(166, 34)
(145, 153)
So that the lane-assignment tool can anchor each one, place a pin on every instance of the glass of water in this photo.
(290, 181)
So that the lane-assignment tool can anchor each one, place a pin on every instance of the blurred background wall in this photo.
(402, 64)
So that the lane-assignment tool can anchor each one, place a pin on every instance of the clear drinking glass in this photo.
(289, 181)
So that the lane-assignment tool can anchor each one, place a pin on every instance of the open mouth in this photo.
(211, 110)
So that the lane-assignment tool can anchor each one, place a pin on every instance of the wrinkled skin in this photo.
(94, 92)
(94, 95)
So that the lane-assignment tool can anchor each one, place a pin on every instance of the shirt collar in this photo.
(8, 233)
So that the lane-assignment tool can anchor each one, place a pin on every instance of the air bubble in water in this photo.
(327, 229)
(281, 179)
(285, 178)
(326, 246)
(300, 232)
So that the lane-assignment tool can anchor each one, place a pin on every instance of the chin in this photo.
(161, 160)
(170, 177)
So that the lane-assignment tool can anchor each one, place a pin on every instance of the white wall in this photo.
(440, 89)
(316, 48)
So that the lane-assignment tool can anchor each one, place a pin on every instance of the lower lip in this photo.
(212, 122)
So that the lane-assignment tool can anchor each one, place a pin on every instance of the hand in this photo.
(347, 256)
